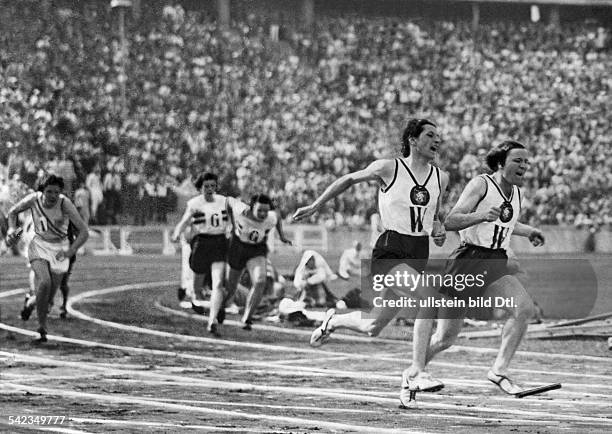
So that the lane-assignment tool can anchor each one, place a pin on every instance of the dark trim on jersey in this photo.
(437, 212)
(386, 189)
(518, 191)
(230, 211)
(72, 231)
(52, 227)
(483, 177)
(500, 190)
(414, 178)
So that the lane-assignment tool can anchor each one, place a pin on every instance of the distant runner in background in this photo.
(248, 249)
(49, 252)
(207, 214)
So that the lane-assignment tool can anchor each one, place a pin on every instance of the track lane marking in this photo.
(218, 341)
(454, 349)
(128, 399)
(33, 333)
(120, 422)
(298, 370)
(367, 395)
(11, 292)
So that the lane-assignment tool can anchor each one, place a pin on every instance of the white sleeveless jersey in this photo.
(248, 230)
(208, 218)
(494, 235)
(407, 206)
(51, 224)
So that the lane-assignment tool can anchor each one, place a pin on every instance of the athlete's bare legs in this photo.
(217, 271)
(370, 323)
(48, 284)
(257, 271)
(515, 327)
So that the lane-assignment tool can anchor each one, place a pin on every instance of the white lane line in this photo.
(128, 399)
(49, 428)
(275, 407)
(141, 367)
(501, 421)
(143, 423)
(11, 292)
(33, 334)
(364, 395)
(62, 430)
(350, 394)
(215, 341)
(454, 349)
(346, 396)
(420, 415)
(10, 377)
(299, 371)
(355, 338)
(334, 393)
(503, 400)
(296, 370)
(347, 410)
(268, 347)
(310, 360)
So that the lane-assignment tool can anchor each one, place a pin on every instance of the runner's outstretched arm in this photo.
(376, 171)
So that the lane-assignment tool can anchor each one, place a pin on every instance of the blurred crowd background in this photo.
(286, 111)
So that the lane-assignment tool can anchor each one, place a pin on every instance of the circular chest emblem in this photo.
(419, 195)
(506, 212)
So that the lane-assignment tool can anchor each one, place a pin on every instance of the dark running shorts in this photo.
(393, 248)
(239, 253)
(486, 265)
(205, 250)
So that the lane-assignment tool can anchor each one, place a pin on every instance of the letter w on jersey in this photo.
(417, 215)
(499, 235)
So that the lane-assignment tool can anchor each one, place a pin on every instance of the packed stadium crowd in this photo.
(287, 112)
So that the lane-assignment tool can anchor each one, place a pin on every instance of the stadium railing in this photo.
(303, 237)
(129, 240)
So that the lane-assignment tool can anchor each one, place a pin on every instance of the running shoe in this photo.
(214, 330)
(321, 334)
(504, 383)
(197, 308)
(43, 335)
(221, 314)
(232, 309)
(422, 382)
(28, 308)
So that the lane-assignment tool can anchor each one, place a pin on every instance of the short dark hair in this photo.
(50, 179)
(205, 177)
(497, 156)
(413, 129)
(261, 198)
